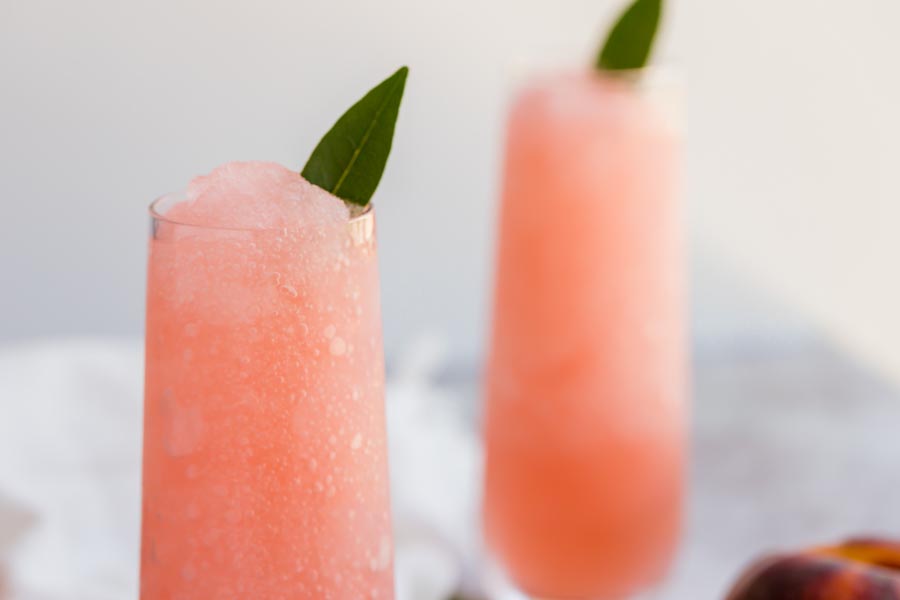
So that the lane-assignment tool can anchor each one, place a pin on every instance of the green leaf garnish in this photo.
(350, 158)
(630, 41)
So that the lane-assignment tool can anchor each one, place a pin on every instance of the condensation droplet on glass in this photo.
(330, 331)
(337, 347)
(384, 552)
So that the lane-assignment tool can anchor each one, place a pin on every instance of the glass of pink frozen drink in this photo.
(265, 469)
(585, 417)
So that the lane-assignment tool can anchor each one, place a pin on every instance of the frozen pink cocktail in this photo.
(265, 471)
(585, 415)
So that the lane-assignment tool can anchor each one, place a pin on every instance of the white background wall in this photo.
(792, 158)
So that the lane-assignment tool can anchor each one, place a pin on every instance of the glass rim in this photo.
(648, 75)
(357, 215)
(652, 69)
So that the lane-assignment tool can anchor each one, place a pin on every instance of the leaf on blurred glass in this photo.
(630, 42)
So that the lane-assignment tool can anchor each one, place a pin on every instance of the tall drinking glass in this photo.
(585, 416)
(265, 471)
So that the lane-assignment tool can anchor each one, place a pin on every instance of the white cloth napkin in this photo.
(70, 431)
(70, 436)
(435, 479)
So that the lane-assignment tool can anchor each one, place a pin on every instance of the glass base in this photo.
(497, 586)
(649, 595)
